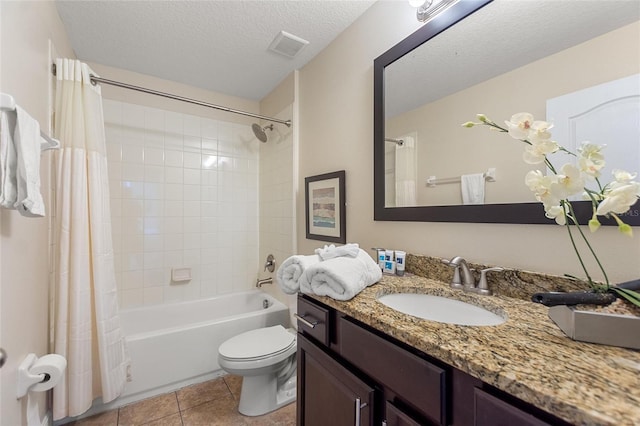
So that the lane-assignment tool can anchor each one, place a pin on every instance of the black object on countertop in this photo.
(576, 298)
(583, 297)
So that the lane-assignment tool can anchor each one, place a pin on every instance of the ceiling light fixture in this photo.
(428, 9)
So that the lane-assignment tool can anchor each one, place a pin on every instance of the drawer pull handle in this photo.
(305, 321)
(359, 407)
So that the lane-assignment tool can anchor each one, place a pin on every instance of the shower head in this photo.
(260, 131)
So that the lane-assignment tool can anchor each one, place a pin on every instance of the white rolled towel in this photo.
(340, 278)
(290, 270)
(331, 251)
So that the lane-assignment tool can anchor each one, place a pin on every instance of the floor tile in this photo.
(172, 420)
(235, 385)
(285, 416)
(108, 418)
(148, 410)
(220, 412)
(202, 392)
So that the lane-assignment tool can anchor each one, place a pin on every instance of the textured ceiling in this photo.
(502, 36)
(216, 45)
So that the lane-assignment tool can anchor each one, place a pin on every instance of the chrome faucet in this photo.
(467, 281)
(260, 283)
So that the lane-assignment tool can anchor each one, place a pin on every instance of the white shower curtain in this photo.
(406, 172)
(87, 327)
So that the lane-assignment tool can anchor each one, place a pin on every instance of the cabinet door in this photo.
(491, 411)
(328, 394)
(396, 417)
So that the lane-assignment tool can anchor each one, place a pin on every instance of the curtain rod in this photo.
(95, 80)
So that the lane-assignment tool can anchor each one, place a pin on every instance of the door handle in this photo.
(359, 407)
(305, 321)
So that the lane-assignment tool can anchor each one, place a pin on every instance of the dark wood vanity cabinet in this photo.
(351, 374)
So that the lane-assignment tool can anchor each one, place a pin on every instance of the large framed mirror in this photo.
(499, 58)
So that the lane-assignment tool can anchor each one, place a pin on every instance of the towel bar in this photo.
(7, 103)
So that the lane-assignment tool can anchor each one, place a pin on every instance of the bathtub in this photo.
(172, 346)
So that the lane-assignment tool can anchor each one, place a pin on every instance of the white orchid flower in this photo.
(591, 161)
(543, 187)
(519, 125)
(554, 188)
(557, 213)
(570, 181)
(619, 197)
(623, 175)
(537, 151)
(539, 132)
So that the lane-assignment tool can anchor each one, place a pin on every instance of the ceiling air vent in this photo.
(287, 44)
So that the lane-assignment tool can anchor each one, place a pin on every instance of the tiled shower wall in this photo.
(277, 177)
(184, 194)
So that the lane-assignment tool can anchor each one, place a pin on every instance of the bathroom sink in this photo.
(440, 309)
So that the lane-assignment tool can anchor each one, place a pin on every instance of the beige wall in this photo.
(180, 89)
(336, 132)
(556, 75)
(26, 28)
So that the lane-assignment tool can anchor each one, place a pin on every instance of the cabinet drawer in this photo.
(316, 321)
(416, 381)
(492, 411)
(396, 417)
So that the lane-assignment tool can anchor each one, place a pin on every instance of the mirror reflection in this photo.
(575, 64)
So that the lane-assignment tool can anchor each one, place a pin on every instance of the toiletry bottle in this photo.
(400, 262)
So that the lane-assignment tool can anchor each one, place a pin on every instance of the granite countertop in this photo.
(528, 356)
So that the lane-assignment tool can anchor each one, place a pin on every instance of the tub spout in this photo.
(260, 283)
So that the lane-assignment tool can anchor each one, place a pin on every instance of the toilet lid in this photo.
(257, 343)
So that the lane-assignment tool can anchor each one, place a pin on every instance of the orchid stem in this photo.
(575, 249)
(586, 240)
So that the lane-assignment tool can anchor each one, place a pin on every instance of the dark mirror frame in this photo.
(526, 213)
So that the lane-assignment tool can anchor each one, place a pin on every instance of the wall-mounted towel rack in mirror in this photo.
(489, 176)
(7, 103)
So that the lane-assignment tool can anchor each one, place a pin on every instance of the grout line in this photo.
(229, 388)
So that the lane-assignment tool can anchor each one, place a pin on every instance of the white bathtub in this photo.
(172, 346)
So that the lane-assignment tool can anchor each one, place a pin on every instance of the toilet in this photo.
(266, 360)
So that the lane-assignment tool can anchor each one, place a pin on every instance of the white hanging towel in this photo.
(472, 187)
(340, 278)
(27, 140)
(8, 160)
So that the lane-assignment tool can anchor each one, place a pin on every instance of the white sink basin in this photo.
(440, 309)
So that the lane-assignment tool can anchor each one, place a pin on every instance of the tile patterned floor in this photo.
(205, 404)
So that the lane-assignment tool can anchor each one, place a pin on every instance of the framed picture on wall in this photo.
(325, 207)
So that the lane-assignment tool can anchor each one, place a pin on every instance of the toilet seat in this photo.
(258, 344)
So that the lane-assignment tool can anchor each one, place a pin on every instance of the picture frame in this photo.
(325, 210)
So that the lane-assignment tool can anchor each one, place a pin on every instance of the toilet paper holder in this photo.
(26, 379)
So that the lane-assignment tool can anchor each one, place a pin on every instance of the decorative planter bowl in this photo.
(597, 327)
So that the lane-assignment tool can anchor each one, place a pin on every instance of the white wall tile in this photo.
(153, 173)
(132, 172)
(132, 279)
(173, 175)
(153, 295)
(192, 160)
(185, 195)
(173, 158)
(154, 156)
(192, 176)
(133, 154)
(153, 191)
(153, 277)
(132, 298)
